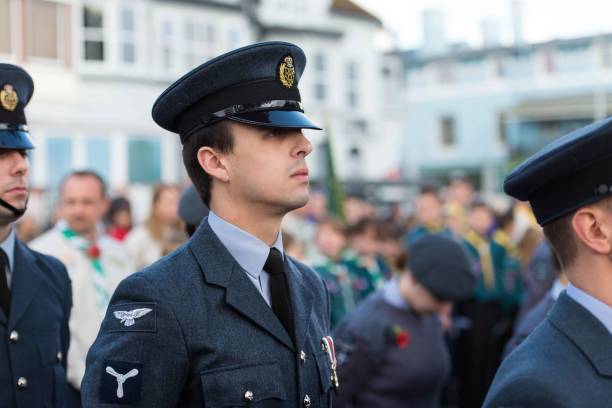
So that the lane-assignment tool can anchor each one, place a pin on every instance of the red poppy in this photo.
(93, 251)
(402, 337)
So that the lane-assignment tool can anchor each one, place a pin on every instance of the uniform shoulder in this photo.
(51, 264)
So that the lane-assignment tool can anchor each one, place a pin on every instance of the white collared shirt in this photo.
(8, 245)
(249, 251)
(597, 308)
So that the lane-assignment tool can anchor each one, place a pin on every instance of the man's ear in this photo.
(213, 163)
(593, 228)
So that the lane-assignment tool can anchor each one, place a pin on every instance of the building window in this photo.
(352, 82)
(447, 131)
(45, 29)
(59, 150)
(167, 44)
(5, 27)
(97, 151)
(128, 36)
(233, 39)
(320, 89)
(199, 43)
(93, 33)
(144, 160)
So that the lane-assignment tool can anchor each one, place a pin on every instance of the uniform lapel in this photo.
(220, 268)
(585, 331)
(27, 276)
(301, 301)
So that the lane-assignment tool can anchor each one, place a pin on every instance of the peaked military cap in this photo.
(571, 172)
(16, 89)
(255, 85)
(442, 266)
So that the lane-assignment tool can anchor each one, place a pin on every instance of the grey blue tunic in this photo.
(389, 356)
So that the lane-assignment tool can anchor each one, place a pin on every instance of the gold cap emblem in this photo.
(8, 97)
(286, 72)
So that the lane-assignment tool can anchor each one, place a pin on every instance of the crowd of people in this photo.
(359, 255)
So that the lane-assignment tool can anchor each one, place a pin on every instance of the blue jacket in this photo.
(35, 338)
(208, 337)
(564, 363)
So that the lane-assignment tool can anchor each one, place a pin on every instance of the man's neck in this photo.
(5, 230)
(263, 226)
(593, 277)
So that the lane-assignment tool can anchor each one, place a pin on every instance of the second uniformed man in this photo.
(227, 319)
(35, 291)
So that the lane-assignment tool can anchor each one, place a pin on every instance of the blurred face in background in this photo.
(481, 220)
(419, 298)
(428, 209)
(122, 219)
(82, 203)
(462, 192)
(330, 241)
(166, 207)
(366, 242)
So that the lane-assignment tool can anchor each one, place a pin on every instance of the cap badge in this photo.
(8, 97)
(286, 71)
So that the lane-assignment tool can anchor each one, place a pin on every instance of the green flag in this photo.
(335, 196)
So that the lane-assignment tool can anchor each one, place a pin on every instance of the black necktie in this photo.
(5, 293)
(279, 290)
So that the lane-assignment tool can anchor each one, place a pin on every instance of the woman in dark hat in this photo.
(391, 349)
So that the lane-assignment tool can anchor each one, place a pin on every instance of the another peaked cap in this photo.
(571, 172)
(226, 74)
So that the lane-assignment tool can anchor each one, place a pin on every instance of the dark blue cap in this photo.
(191, 209)
(16, 89)
(571, 172)
(442, 266)
(255, 85)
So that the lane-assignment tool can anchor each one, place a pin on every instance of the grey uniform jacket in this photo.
(34, 339)
(566, 362)
(209, 338)
(529, 322)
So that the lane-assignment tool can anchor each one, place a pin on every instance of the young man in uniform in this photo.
(227, 319)
(566, 361)
(35, 292)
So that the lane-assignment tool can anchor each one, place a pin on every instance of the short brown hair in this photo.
(560, 234)
(217, 136)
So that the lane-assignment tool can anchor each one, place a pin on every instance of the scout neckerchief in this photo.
(340, 271)
(92, 252)
(486, 262)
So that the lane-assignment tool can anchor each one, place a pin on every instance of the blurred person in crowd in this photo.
(535, 315)
(491, 310)
(96, 262)
(356, 208)
(391, 348)
(293, 247)
(161, 233)
(35, 291)
(231, 320)
(331, 242)
(367, 268)
(429, 215)
(391, 245)
(301, 223)
(119, 218)
(191, 209)
(566, 361)
(538, 276)
(459, 197)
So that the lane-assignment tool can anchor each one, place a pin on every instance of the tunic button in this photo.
(14, 336)
(306, 401)
(59, 356)
(22, 382)
(248, 395)
(302, 356)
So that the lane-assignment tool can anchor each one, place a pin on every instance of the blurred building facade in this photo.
(98, 66)
(483, 110)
